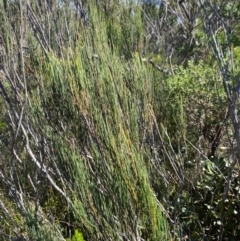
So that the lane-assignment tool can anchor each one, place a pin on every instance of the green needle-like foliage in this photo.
(91, 104)
(115, 123)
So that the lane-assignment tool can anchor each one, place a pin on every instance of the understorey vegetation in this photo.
(119, 120)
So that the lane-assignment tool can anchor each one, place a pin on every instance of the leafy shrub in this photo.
(191, 104)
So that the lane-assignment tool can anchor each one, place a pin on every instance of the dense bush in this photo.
(119, 121)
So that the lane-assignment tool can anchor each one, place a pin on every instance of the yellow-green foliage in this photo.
(194, 95)
(78, 236)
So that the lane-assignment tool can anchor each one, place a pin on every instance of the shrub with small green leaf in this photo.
(191, 103)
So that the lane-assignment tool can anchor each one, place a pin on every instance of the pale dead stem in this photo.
(177, 169)
(224, 65)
